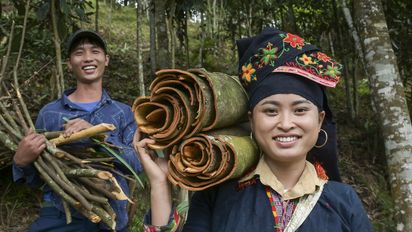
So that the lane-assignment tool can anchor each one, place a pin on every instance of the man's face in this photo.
(87, 61)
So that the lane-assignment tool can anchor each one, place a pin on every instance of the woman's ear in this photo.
(321, 117)
(250, 116)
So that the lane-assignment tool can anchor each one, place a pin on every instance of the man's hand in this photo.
(75, 125)
(29, 148)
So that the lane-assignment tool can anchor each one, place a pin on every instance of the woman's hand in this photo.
(157, 171)
(155, 167)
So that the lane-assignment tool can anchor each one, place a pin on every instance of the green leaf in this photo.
(120, 159)
(117, 156)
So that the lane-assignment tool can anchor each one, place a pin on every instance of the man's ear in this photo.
(69, 65)
(106, 63)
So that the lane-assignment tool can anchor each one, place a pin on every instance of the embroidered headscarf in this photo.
(266, 59)
(277, 62)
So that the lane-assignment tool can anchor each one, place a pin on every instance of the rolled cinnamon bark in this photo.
(184, 103)
(205, 160)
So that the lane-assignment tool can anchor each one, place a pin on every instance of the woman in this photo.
(285, 79)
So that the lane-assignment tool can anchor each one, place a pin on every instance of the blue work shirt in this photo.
(51, 118)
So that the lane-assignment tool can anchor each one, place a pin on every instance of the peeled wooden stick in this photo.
(105, 216)
(86, 133)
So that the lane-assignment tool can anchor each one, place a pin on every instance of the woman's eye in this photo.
(301, 110)
(270, 111)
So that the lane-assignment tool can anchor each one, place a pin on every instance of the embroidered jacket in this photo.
(244, 206)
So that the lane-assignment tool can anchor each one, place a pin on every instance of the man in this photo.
(86, 105)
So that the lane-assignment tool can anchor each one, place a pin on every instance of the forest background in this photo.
(372, 104)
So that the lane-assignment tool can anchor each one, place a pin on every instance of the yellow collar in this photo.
(307, 183)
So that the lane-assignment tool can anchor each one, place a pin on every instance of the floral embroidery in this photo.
(269, 53)
(306, 59)
(248, 73)
(294, 41)
(323, 57)
(332, 71)
(277, 52)
(328, 70)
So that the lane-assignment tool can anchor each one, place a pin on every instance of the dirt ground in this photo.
(19, 204)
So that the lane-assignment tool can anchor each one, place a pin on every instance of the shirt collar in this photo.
(66, 102)
(307, 183)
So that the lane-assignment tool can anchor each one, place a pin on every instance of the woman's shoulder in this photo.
(340, 192)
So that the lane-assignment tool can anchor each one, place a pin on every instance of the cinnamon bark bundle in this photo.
(206, 160)
(184, 103)
(188, 112)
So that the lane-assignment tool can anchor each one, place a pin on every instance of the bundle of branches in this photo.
(182, 110)
(205, 160)
(84, 184)
(183, 103)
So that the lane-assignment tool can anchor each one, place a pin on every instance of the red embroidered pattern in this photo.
(282, 211)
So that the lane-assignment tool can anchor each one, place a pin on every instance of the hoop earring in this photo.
(326, 139)
(251, 136)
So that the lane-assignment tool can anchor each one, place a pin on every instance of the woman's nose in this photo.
(285, 122)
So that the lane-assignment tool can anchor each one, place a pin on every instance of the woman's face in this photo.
(286, 126)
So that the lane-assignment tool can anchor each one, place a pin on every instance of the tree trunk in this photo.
(355, 95)
(187, 39)
(214, 19)
(58, 49)
(388, 92)
(249, 19)
(110, 18)
(96, 20)
(162, 40)
(139, 43)
(202, 39)
(341, 51)
(290, 22)
(172, 32)
(349, 101)
(153, 60)
(355, 36)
